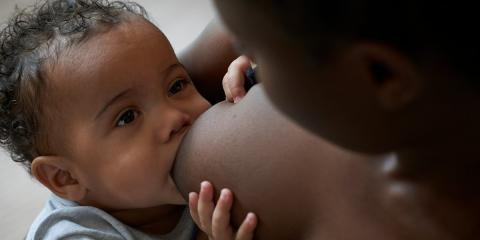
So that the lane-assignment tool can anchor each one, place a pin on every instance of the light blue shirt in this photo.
(63, 219)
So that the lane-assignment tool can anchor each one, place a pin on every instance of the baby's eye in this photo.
(126, 118)
(177, 86)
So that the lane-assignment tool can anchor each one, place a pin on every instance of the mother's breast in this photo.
(274, 168)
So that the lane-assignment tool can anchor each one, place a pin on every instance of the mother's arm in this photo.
(207, 59)
(285, 175)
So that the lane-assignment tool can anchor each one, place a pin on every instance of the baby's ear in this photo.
(53, 173)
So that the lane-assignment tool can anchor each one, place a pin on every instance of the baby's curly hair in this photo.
(32, 37)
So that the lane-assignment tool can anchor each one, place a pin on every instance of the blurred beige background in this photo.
(21, 198)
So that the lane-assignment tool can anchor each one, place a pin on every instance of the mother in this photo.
(300, 186)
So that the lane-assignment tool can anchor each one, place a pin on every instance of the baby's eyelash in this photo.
(174, 86)
(126, 117)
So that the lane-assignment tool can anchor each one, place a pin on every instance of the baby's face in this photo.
(121, 104)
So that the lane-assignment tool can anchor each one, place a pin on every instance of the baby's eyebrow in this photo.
(113, 100)
(127, 91)
(172, 67)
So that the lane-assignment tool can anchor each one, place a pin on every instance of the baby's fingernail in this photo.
(223, 193)
(250, 217)
(204, 184)
(237, 99)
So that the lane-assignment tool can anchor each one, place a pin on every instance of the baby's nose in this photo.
(179, 125)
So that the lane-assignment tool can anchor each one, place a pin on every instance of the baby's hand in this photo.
(215, 220)
(234, 80)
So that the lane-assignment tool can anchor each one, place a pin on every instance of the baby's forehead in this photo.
(106, 46)
(133, 48)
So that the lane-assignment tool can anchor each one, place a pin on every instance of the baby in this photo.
(94, 103)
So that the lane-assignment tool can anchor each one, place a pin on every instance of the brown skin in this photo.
(425, 190)
(114, 131)
(300, 186)
(432, 190)
(207, 59)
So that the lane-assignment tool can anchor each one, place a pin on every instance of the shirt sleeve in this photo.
(83, 223)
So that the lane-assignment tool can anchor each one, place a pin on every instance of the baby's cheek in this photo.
(201, 106)
(134, 190)
(123, 183)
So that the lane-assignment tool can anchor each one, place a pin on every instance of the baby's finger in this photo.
(193, 207)
(236, 86)
(247, 229)
(241, 62)
(228, 94)
(236, 81)
(206, 206)
(221, 216)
